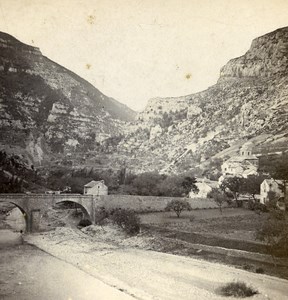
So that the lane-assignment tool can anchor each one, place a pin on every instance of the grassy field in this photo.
(208, 231)
(234, 223)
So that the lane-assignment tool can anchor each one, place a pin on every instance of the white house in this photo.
(243, 165)
(270, 185)
(204, 186)
(96, 188)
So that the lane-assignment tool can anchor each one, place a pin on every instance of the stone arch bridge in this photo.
(33, 206)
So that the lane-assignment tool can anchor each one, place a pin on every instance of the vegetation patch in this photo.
(237, 289)
(127, 220)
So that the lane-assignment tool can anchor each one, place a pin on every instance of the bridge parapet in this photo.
(33, 206)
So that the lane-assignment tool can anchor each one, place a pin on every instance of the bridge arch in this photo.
(23, 211)
(85, 210)
(34, 206)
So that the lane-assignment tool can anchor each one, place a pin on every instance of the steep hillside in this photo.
(249, 102)
(46, 109)
(48, 113)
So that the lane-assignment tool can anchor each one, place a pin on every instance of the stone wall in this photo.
(148, 203)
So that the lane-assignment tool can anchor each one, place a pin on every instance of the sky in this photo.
(134, 50)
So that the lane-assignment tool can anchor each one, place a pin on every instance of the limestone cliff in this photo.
(45, 108)
(46, 111)
(249, 102)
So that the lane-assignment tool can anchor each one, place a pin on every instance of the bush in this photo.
(127, 220)
(261, 207)
(192, 219)
(260, 271)
(247, 267)
(84, 223)
(237, 289)
(101, 215)
(251, 204)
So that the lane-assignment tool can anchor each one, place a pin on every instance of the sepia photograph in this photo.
(143, 149)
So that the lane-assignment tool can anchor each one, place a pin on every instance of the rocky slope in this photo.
(46, 109)
(49, 113)
(249, 102)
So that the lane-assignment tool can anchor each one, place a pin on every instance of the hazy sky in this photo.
(134, 50)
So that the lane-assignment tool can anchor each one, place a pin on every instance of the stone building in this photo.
(96, 188)
(270, 185)
(244, 164)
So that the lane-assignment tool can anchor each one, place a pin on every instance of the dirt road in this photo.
(153, 275)
(27, 273)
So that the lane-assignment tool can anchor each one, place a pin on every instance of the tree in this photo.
(155, 184)
(189, 183)
(251, 185)
(219, 197)
(176, 186)
(147, 183)
(171, 187)
(233, 185)
(178, 206)
(274, 231)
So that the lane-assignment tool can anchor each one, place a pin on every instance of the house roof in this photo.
(250, 171)
(240, 159)
(93, 183)
(271, 181)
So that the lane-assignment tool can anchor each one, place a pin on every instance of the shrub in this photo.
(260, 207)
(251, 204)
(192, 219)
(100, 215)
(260, 271)
(237, 289)
(247, 267)
(84, 223)
(127, 220)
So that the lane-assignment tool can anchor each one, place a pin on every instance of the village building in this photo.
(204, 186)
(243, 165)
(270, 186)
(96, 188)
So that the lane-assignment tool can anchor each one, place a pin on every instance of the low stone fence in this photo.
(149, 203)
